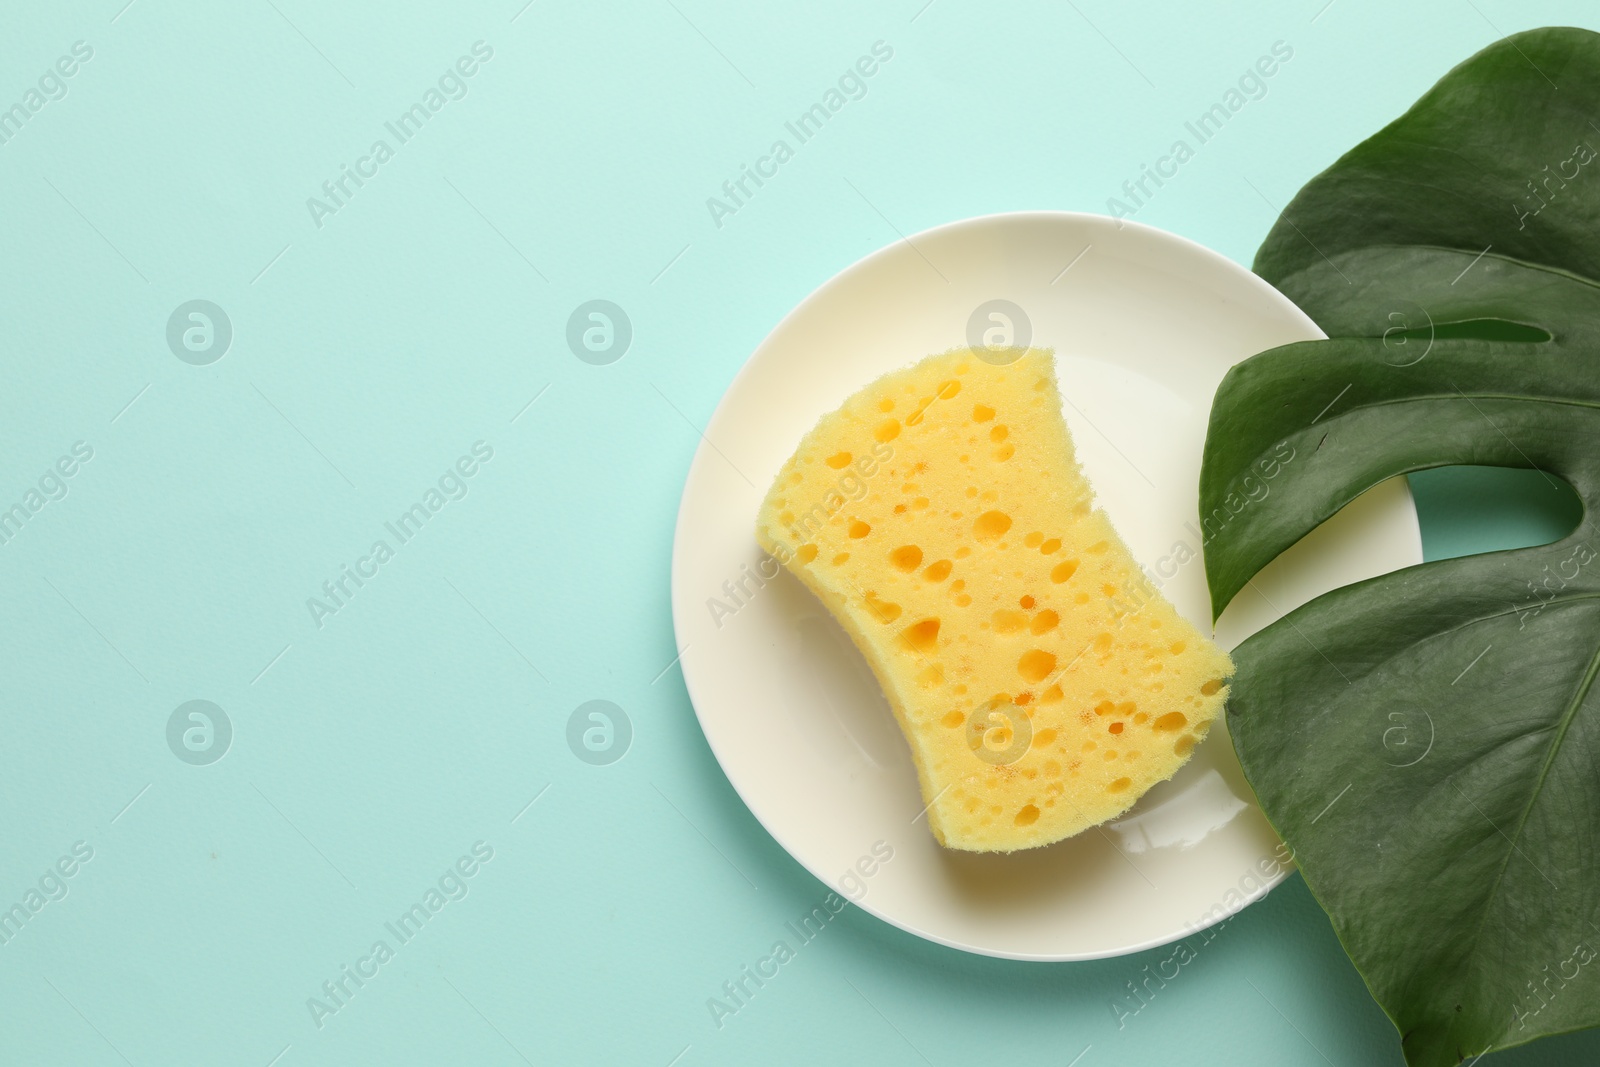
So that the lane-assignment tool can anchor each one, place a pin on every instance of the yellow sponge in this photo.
(1043, 683)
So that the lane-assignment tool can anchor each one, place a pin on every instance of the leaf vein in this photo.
(1568, 714)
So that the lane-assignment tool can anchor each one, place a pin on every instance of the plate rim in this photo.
(679, 624)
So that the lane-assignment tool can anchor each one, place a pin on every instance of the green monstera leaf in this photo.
(1428, 742)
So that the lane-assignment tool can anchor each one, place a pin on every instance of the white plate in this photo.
(1144, 325)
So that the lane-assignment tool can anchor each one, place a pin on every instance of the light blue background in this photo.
(371, 352)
